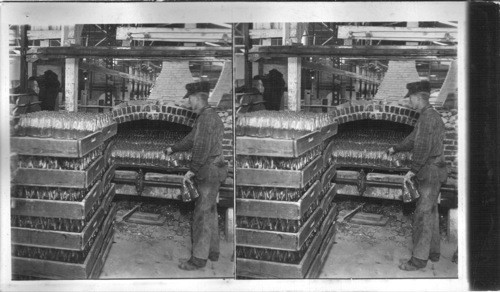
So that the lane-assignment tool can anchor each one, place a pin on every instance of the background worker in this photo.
(253, 100)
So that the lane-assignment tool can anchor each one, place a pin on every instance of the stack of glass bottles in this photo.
(280, 125)
(147, 147)
(62, 125)
(367, 147)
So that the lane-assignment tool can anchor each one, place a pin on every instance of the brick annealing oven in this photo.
(365, 132)
(145, 129)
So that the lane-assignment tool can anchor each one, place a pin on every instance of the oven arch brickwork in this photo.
(154, 112)
(391, 113)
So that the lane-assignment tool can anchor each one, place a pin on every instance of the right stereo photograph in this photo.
(346, 150)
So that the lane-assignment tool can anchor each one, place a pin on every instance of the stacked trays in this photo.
(284, 204)
(62, 215)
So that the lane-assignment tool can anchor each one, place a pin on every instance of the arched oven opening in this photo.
(142, 168)
(363, 166)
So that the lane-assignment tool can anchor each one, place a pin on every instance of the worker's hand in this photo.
(409, 175)
(168, 151)
(188, 176)
(390, 151)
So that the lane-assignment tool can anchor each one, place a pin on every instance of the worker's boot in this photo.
(193, 264)
(213, 256)
(434, 257)
(413, 264)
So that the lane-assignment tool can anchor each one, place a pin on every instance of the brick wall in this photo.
(224, 84)
(393, 86)
(366, 110)
(150, 111)
(170, 84)
(226, 116)
(450, 119)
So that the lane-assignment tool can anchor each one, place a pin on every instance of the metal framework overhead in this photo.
(358, 52)
(134, 52)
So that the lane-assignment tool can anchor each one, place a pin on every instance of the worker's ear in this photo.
(184, 103)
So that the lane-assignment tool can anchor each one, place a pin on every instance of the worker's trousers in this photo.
(205, 217)
(426, 238)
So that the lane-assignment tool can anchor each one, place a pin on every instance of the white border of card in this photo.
(229, 12)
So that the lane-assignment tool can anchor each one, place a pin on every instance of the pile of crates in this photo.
(285, 215)
(61, 206)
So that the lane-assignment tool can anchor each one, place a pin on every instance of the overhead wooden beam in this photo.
(266, 33)
(45, 34)
(357, 52)
(134, 52)
(410, 34)
(336, 71)
(104, 70)
(173, 34)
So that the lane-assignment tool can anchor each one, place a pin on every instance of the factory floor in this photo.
(365, 251)
(154, 252)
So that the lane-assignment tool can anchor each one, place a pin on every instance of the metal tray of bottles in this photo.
(62, 239)
(58, 208)
(109, 131)
(320, 259)
(276, 239)
(59, 178)
(329, 131)
(246, 145)
(109, 174)
(62, 270)
(55, 147)
(281, 209)
(327, 152)
(266, 269)
(328, 198)
(328, 175)
(278, 177)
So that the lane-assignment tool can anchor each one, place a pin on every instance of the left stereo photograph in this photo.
(121, 151)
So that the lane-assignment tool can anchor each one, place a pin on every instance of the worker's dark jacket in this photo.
(426, 144)
(49, 92)
(252, 101)
(28, 103)
(274, 85)
(205, 142)
(210, 169)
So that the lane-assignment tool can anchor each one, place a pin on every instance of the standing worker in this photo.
(274, 85)
(253, 100)
(209, 170)
(49, 91)
(429, 167)
(30, 100)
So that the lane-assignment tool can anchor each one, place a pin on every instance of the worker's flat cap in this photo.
(192, 88)
(419, 86)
